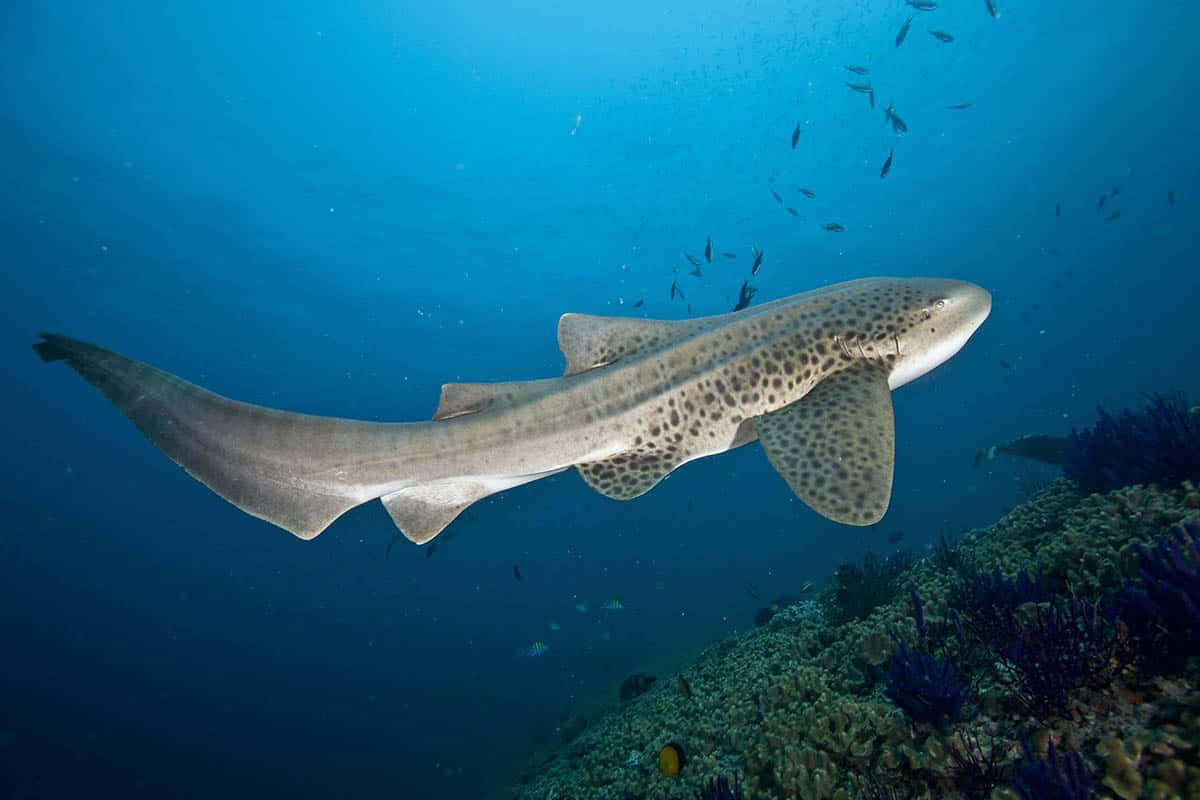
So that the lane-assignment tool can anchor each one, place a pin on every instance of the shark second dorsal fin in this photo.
(836, 446)
(470, 398)
(588, 342)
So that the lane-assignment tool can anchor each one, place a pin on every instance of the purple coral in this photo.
(1057, 778)
(1162, 610)
(720, 789)
(928, 689)
(1159, 444)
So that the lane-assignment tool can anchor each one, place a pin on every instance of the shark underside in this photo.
(810, 376)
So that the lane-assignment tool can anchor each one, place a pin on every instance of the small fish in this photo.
(695, 272)
(922, 5)
(757, 265)
(775, 194)
(638, 304)
(856, 69)
(744, 297)
(792, 211)
(871, 97)
(959, 106)
(835, 227)
(1171, 197)
(535, 649)
(684, 689)
(991, 6)
(516, 572)
(751, 590)
(581, 608)
(1005, 364)
(554, 626)
(1058, 209)
(1116, 191)
(1114, 215)
(942, 36)
(895, 536)
(807, 587)
(612, 605)
(391, 544)
(695, 262)
(796, 136)
(891, 116)
(708, 249)
(675, 290)
(430, 551)
(729, 255)
(1100, 205)
(807, 192)
(904, 30)
(865, 88)
(887, 167)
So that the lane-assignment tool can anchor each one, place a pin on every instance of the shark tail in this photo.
(297, 471)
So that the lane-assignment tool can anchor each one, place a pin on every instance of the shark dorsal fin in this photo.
(588, 342)
(836, 446)
(470, 398)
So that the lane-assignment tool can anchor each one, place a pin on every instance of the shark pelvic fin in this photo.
(630, 474)
(836, 446)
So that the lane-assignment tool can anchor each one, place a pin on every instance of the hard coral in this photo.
(1159, 444)
(720, 789)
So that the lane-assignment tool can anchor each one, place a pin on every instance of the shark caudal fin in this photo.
(297, 471)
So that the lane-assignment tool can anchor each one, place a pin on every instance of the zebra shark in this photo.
(809, 376)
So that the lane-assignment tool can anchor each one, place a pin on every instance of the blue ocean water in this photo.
(335, 208)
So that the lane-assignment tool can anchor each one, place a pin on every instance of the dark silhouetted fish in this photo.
(959, 106)
(695, 262)
(675, 290)
(1114, 215)
(1171, 196)
(1058, 209)
(991, 6)
(695, 272)
(792, 211)
(516, 572)
(775, 194)
(887, 165)
(922, 5)
(834, 226)
(729, 255)
(757, 265)
(898, 125)
(796, 136)
(865, 88)
(807, 192)
(744, 297)
(895, 536)
(1100, 204)
(904, 31)
(857, 70)
(708, 249)
(429, 551)
(1046, 449)
(942, 36)
(638, 304)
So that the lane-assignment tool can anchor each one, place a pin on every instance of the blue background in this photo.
(334, 208)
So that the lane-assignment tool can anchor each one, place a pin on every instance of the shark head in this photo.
(928, 320)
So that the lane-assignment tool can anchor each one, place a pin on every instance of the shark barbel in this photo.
(810, 376)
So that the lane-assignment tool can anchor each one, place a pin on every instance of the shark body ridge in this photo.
(809, 376)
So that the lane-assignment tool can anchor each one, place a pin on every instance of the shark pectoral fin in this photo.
(836, 446)
(588, 342)
(470, 398)
(630, 474)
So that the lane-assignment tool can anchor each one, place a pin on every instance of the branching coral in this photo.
(926, 688)
(720, 789)
(858, 589)
(1162, 610)
(1159, 444)
(1059, 777)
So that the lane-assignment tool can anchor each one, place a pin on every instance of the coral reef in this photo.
(798, 710)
